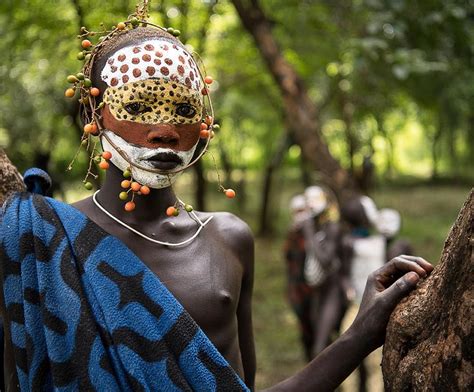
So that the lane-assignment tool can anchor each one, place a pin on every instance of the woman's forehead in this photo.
(153, 58)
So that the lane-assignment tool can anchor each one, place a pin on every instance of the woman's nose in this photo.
(163, 135)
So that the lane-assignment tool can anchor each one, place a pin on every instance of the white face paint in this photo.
(157, 58)
(141, 156)
(370, 209)
(388, 222)
(316, 199)
(298, 209)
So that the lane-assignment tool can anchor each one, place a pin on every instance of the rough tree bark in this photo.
(300, 111)
(10, 179)
(430, 340)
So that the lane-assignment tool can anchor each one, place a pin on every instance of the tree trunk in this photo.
(10, 179)
(430, 338)
(301, 113)
(434, 153)
(265, 221)
(390, 165)
(225, 162)
(305, 174)
(200, 190)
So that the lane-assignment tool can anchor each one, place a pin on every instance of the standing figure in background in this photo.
(367, 245)
(315, 270)
(298, 291)
(362, 251)
(388, 223)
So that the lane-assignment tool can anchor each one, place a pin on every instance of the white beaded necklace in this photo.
(192, 213)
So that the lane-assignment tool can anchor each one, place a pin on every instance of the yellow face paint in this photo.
(154, 101)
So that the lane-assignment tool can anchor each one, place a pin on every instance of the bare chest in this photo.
(204, 276)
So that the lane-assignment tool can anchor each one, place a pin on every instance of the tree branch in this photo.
(300, 111)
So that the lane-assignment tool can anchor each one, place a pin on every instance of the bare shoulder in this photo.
(231, 225)
(231, 230)
(83, 204)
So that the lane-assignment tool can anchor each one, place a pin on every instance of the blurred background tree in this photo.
(389, 85)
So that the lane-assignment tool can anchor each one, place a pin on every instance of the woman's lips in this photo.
(165, 161)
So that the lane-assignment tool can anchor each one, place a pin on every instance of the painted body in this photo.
(318, 300)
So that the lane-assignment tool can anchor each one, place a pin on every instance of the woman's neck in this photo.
(149, 207)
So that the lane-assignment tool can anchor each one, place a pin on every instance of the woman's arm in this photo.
(385, 288)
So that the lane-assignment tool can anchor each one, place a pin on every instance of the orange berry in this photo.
(209, 120)
(204, 134)
(203, 126)
(170, 211)
(86, 44)
(204, 91)
(70, 92)
(121, 26)
(95, 92)
(135, 186)
(104, 165)
(229, 193)
(125, 184)
(129, 206)
(107, 155)
(144, 190)
(208, 79)
(91, 128)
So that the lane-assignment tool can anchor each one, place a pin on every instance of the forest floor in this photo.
(428, 211)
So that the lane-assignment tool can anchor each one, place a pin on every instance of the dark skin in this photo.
(211, 277)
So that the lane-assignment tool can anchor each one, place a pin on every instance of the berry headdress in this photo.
(132, 51)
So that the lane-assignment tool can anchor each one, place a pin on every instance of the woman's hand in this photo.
(384, 289)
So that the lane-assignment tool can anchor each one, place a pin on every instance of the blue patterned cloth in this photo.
(86, 314)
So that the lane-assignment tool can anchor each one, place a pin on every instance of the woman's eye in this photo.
(185, 110)
(136, 108)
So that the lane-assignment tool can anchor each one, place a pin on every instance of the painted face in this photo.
(153, 109)
(316, 199)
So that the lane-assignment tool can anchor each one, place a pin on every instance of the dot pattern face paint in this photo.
(154, 101)
(154, 58)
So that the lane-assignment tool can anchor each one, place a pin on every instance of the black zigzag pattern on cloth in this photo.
(85, 314)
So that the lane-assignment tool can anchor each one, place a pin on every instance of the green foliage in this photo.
(376, 70)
